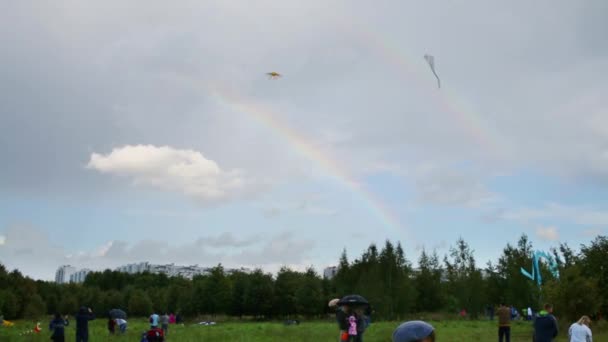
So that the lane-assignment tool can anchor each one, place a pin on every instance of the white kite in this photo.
(431, 60)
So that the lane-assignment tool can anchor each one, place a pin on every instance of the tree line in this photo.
(383, 275)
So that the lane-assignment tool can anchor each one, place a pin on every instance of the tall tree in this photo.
(285, 288)
(464, 279)
(308, 295)
(593, 265)
(428, 283)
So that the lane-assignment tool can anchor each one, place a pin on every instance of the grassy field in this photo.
(452, 331)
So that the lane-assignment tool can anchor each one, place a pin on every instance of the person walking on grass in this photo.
(164, 323)
(82, 324)
(545, 325)
(580, 332)
(504, 323)
(57, 326)
(153, 321)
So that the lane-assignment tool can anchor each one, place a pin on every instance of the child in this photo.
(352, 327)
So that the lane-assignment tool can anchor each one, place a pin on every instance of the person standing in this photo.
(164, 323)
(529, 313)
(580, 332)
(545, 325)
(154, 321)
(57, 326)
(504, 323)
(82, 324)
(111, 325)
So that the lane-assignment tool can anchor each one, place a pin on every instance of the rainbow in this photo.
(268, 118)
(414, 68)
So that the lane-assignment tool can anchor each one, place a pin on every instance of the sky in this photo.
(134, 131)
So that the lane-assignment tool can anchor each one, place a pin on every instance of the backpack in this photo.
(155, 335)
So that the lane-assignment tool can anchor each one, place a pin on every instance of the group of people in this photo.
(354, 319)
(121, 323)
(58, 324)
(159, 326)
(545, 326)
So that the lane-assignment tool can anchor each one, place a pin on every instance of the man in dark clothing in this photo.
(82, 324)
(545, 325)
(57, 326)
(504, 323)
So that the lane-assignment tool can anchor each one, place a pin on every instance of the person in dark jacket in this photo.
(111, 326)
(57, 326)
(82, 324)
(545, 325)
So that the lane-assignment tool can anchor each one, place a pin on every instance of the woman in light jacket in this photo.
(580, 332)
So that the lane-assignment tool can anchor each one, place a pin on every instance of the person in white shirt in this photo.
(122, 325)
(580, 332)
(529, 313)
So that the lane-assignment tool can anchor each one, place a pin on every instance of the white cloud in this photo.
(579, 215)
(167, 168)
(547, 233)
(2, 240)
(443, 185)
(592, 233)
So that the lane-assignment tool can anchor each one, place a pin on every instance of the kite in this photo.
(273, 75)
(431, 60)
(535, 275)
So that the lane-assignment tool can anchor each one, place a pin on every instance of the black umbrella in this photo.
(117, 313)
(353, 300)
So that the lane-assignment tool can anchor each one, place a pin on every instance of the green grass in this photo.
(452, 331)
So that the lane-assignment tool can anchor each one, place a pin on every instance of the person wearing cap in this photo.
(414, 331)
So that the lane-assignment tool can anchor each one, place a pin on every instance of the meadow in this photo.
(452, 331)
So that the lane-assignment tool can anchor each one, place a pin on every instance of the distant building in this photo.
(69, 274)
(62, 276)
(80, 276)
(171, 270)
(330, 272)
(134, 268)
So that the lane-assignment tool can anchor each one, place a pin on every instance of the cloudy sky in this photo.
(134, 130)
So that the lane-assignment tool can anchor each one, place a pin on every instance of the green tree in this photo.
(68, 304)
(309, 298)
(464, 279)
(428, 283)
(258, 295)
(285, 288)
(516, 289)
(140, 304)
(573, 294)
(10, 305)
(35, 307)
(240, 283)
(216, 292)
(594, 266)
